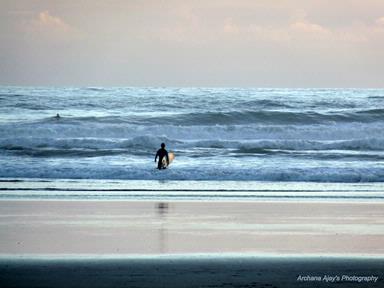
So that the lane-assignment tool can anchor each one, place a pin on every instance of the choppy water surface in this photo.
(274, 135)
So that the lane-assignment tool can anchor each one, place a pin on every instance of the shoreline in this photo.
(183, 256)
(189, 191)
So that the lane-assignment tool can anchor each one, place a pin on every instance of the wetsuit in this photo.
(161, 153)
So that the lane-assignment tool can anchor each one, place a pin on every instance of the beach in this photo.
(214, 144)
(50, 243)
(147, 227)
(193, 272)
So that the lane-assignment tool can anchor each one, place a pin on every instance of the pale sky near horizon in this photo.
(242, 43)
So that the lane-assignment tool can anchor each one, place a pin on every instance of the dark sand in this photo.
(214, 271)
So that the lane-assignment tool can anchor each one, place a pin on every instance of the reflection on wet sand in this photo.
(162, 209)
(146, 227)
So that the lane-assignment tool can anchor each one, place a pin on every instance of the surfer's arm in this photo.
(157, 154)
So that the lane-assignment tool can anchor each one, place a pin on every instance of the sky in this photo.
(238, 43)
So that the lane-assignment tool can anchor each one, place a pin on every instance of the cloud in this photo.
(380, 21)
(299, 29)
(307, 27)
(48, 25)
(45, 27)
(46, 20)
(229, 26)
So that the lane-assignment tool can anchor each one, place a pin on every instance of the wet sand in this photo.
(145, 227)
(193, 272)
(189, 244)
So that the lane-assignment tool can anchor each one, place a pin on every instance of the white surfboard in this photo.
(171, 156)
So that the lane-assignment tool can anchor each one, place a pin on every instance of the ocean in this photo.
(217, 134)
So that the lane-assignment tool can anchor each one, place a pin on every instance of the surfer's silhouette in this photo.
(57, 117)
(161, 153)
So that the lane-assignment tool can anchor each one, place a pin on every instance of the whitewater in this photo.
(232, 134)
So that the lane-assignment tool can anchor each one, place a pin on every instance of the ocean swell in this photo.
(146, 172)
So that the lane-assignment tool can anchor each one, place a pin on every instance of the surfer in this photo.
(161, 153)
(57, 117)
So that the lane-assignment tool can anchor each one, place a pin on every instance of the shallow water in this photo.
(154, 190)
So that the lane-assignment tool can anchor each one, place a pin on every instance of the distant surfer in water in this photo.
(161, 153)
(57, 117)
